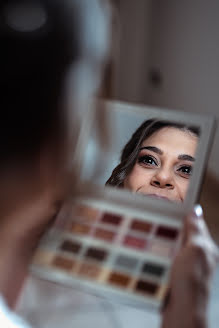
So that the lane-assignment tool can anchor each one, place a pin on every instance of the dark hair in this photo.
(130, 151)
(33, 64)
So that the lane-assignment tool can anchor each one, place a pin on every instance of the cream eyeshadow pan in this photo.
(127, 255)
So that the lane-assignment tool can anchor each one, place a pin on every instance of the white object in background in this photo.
(9, 319)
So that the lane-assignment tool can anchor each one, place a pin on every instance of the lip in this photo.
(158, 196)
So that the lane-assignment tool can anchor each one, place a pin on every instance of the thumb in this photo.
(193, 224)
(195, 232)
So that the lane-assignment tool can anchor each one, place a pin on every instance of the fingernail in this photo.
(197, 211)
(166, 301)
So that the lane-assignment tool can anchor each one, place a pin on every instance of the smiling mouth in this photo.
(158, 197)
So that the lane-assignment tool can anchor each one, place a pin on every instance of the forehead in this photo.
(174, 140)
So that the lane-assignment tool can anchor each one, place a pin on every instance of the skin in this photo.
(164, 165)
(193, 267)
(29, 200)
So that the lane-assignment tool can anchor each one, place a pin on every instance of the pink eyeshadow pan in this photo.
(134, 242)
(160, 249)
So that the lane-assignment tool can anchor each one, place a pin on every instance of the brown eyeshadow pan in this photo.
(111, 219)
(86, 212)
(89, 270)
(146, 287)
(80, 228)
(96, 254)
(104, 234)
(119, 279)
(63, 263)
(141, 226)
(70, 246)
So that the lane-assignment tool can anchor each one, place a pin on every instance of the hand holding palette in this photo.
(114, 243)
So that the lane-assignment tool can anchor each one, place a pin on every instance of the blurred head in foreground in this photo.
(52, 54)
(51, 58)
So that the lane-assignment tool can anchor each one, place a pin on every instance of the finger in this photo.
(166, 301)
(197, 233)
(195, 224)
(190, 224)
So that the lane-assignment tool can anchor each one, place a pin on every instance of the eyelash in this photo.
(185, 174)
(144, 158)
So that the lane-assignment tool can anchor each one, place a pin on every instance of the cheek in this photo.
(138, 177)
(183, 187)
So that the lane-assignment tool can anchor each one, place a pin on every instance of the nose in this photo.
(162, 179)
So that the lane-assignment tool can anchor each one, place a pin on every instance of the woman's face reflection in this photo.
(164, 165)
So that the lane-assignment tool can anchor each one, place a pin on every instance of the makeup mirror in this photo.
(159, 154)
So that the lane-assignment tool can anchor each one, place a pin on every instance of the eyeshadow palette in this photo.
(104, 249)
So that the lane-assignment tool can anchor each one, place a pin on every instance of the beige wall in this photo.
(210, 203)
(132, 57)
(179, 38)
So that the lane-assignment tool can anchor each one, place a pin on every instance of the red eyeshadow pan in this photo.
(134, 242)
(111, 219)
(141, 226)
(168, 233)
(103, 234)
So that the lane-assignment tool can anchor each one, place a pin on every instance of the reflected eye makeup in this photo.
(126, 255)
(147, 160)
(185, 171)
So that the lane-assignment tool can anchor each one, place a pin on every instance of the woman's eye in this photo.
(148, 160)
(185, 170)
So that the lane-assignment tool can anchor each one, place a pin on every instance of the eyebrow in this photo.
(183, 157)
(186, 158)
(154, 149)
